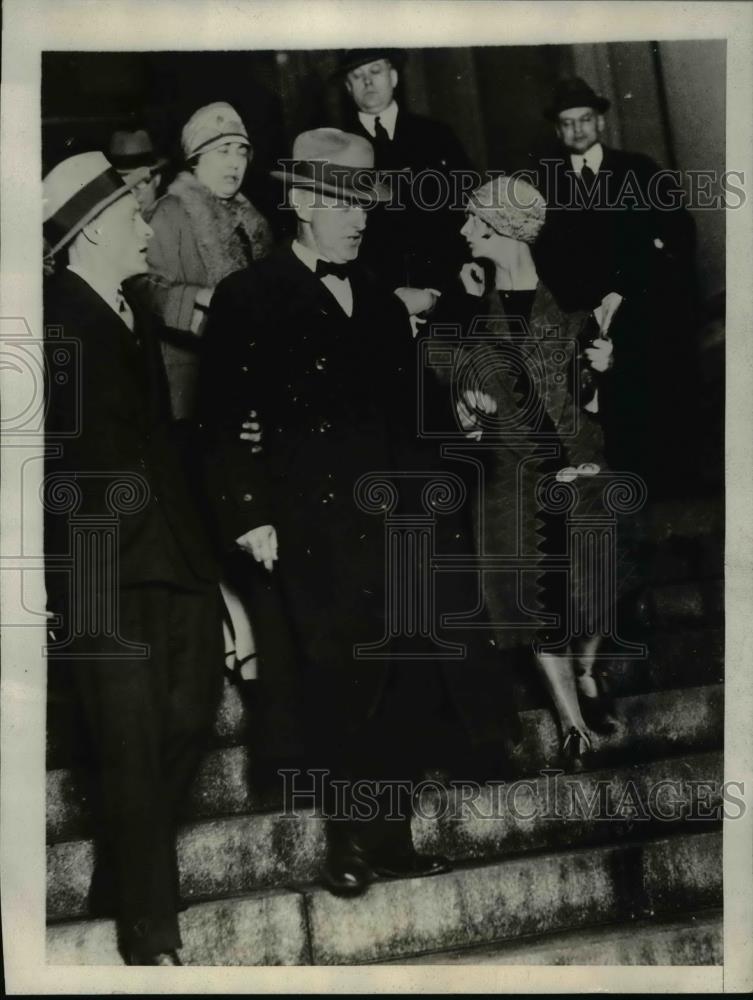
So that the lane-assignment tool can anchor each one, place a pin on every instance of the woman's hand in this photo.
(200, 308)
(472, 276)
(599, 354)
(251, 431)
(472, 403)
(261, 543)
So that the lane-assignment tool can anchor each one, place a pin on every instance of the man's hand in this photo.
(251, 431)
(599, 354)
(605, 311)
(418, 300)
(472, 276)
(468, 408)
(261, 543)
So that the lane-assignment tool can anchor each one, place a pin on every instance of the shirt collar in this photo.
(593, 157)
(109, 290)
(306, 255)
(387, 118)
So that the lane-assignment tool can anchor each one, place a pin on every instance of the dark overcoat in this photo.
(626, 243)
(337, 398)
(109, 421)
(413, 245)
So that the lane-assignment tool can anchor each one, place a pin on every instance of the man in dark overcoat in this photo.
(131, 575)
(326, 355)
(618, 242)
(416, 244)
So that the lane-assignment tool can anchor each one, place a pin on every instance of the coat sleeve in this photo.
(167, 288)
(237, 480)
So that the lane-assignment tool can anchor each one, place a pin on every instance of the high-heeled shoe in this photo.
(598, 710)
(575, 746)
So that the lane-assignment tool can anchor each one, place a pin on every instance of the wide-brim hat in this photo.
(77, 190)
(574, 93)
(128, 151)
(353, 58)
(333, 162)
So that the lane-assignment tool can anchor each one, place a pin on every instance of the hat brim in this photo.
(379, 191)
(600, 105)
(95, 210)
(152, 167)
(395, 56)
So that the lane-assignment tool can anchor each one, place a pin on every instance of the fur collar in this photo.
(214, 222)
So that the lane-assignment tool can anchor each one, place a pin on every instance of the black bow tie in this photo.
(325, 267)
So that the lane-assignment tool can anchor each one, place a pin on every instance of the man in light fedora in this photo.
(139, 625)
(133, 156)
(618, 244)
(415, 245)
(327, 356)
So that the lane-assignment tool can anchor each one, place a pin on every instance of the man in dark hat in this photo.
(131, 574)
(326, 354)
(417, 245)
(612, 247)
(134, 157)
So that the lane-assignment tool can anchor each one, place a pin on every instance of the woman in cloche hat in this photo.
(204, 229)
(505, 394)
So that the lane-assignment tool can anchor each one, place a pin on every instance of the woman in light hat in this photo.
(515, 388)
(204, 230)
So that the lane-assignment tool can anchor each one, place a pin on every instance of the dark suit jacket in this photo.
(117, 400)
(416, 247)
(584, 253)
(337, 398)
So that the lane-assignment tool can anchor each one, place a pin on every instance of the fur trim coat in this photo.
(198, 240)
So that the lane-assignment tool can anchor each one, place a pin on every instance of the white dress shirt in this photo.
(387, 119)
(110, 291)
(340, 287)
(592, 157)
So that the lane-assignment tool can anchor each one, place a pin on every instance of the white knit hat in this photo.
(210, 127)
(511, 206)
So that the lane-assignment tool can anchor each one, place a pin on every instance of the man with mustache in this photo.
(138, 624)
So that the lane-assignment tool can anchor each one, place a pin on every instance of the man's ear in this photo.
(348, 86)
(301, 200)
(393, 77)
(600, 124)
(92, 232)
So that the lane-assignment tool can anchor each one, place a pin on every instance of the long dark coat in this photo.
(528, 365)
(646, 255)
(413, 246)
(337, 398)
(112, 418)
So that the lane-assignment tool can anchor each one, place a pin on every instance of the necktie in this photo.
(325, 267)
(381, 135)
(587, 175)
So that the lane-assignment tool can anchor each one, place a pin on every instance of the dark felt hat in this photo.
(353, 58)
(574, 93)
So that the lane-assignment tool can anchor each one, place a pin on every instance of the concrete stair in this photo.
(538, 878)
(470, 907)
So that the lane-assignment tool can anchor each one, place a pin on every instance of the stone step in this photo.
(699, 601)
(655, 724)
(241, 854)
(667, 520)
(263, 929)
(521, 896)
(467, 908)
(697, 939)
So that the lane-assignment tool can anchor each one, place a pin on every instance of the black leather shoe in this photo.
(598, 710)
(410, 864)
(161, 958)
(345, 874)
